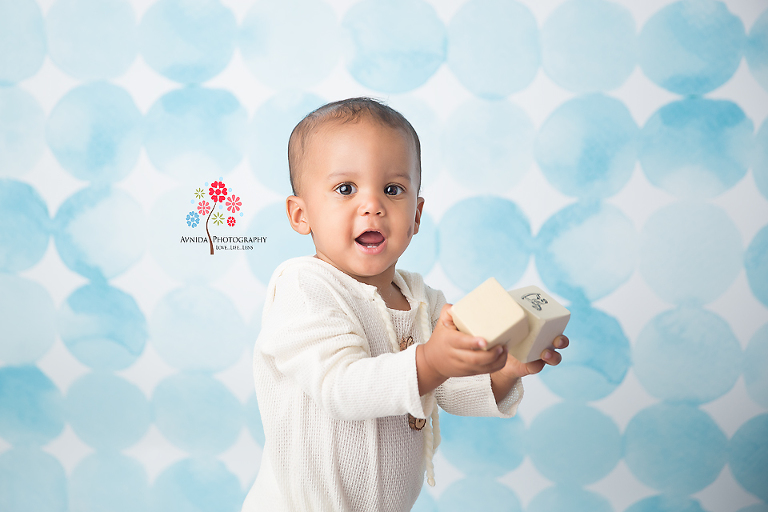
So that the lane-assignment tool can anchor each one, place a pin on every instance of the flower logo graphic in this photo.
(193, 219)
(233, 203)
(218, 192)
(203, 208)
(217, 196)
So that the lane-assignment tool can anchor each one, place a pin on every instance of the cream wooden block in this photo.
(546, 320)
(489, 311)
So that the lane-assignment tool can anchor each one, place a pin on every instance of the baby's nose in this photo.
(371, 205)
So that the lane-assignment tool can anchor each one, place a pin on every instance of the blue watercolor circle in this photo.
(474, 493)
(27, 315)
(429, 128)
(484, 237)
(696, 147)
(23, 46)
(425, 503)
(95, 132)
(107, 412)
(675, 448)
(102, 327)
(756, 265)
(290, 44)
(197, 413)
(585, 452)
(760, 159)
(99, 232)
(687, 355)
(691, 48)
(31, 406)
(197, 485)
(195, 133)
(748, 456)
(666, 503)
(393, 45)
(109, 481)
(589, 45)
(197, 328)
(22, 130)
(756, 367)
(92, 39)
(690, 253)
(253, 420)
(31, 479)
(421, 254)
(597, 360)
(572, 499)
(487, 145)
(586, 251)
(270, 129)
(484, 33)
(282, 241)
(756, 50)
(25, 228)
(483, 447)
(587, 148)
(188, 41)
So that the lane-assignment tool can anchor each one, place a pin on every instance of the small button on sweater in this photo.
(334, 391)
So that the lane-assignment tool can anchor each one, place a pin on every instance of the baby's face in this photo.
(359, 188)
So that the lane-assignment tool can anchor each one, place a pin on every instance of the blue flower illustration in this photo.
(193, 219)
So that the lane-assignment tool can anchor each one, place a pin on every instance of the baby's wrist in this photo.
(428, 376)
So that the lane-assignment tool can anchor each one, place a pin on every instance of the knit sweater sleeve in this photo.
(314, 339)
(471, 396)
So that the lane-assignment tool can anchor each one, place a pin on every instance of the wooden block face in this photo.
(490, 312)
(546, 320)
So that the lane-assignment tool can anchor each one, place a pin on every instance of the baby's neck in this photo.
(394, 298)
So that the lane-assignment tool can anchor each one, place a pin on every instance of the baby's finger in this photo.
(551, 357)
(483, 358)
(499, 363)
(561, 341)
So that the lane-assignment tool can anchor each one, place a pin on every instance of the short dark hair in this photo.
(345, 111)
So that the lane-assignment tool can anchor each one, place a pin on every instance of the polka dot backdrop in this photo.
(613, 152)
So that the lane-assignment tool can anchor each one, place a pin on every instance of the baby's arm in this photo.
(451, 353)
(313, 340)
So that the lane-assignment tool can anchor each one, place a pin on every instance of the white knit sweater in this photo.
(334, 392)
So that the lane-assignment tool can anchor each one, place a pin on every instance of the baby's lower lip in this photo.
(371, 248)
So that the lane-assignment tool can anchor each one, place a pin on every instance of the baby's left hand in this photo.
(514, 369)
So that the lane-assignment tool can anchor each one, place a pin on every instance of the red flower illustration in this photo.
(203, 208)
(218, 191)
(234, 203)
(231, 221)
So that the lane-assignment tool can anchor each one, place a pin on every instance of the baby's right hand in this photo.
(451, 353)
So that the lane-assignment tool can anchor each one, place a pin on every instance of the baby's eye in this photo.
(393, 190)
(345, 189)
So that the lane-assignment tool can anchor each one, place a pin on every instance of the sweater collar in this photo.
(366, 290)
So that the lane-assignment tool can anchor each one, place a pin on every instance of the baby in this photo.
(354, 355)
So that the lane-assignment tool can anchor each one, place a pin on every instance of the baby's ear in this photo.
(417, 220)
(296, 210)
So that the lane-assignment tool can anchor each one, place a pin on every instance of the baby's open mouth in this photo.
(370, 239)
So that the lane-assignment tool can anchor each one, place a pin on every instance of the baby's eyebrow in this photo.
(339, 175)
(404, 175)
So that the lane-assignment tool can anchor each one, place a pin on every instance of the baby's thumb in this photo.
(445, 317)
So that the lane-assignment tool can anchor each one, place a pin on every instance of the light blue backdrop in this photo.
(615, 153)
